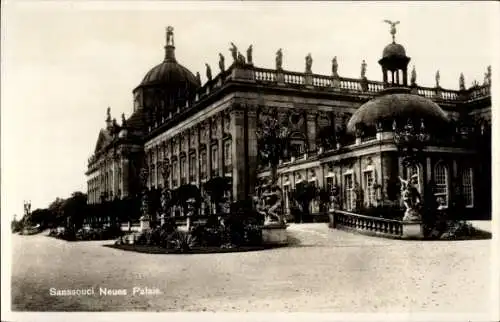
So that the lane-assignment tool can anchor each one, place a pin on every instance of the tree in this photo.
(273, 142)
(74, 208)
(215, 187)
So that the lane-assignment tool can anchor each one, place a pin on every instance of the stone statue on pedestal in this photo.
(198, 77)
(272, 207)
(241, 59)
(461, 82)
(413, 80)
(234, 52)
(393, 28)
(221, 63)
(249, 55)
(411, 199)
(438, 78)
(279, 59)
(209, 72)
(335, 66)
(309, 62)
(363, 69)
(487, 76)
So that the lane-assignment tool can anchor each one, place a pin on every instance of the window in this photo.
(174, 173)
(297, 145)
(227, 157)
(369, 187)
(349, 192)
(441, 182)
(203, 164)
(413, 174)
(468, 193)
(215, 160)
(183, 170)
(192, 167)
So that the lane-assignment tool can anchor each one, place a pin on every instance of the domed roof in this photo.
(398, 104)
(394, 49)
(169, 72)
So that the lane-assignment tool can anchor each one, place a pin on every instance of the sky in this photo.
(63, 64)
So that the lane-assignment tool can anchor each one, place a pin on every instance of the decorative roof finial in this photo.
(363, 69)
(169, 46)
(393, 28)
(335, 66)
(438, 77)
(108, 114)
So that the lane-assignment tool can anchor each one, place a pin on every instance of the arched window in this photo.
(467, 188)
(441, 183)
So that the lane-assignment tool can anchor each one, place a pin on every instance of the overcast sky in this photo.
(63, 64)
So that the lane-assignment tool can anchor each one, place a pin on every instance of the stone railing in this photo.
(479, 92)
(369, 225)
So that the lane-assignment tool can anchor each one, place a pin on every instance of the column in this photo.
(208, 147)
(252, 149)
(125, 176)
(197, 152)
(238, 152)
(311, 130)
(220, 143)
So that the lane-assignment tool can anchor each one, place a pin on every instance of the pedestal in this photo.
(145, 223)
(274, 234)
(413, 230)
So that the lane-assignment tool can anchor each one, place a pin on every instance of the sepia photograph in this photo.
(331, 158)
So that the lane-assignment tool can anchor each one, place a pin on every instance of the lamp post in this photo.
(409, 139)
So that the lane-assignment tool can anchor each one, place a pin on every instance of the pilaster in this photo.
(311, 130)
(252, 149)
(238, 152)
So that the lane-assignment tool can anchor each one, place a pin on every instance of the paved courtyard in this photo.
(329, 270)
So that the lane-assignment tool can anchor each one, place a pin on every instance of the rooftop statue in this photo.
(393, 28)
(335, 66)
(461, 82)
(198, 77)
(241, 59)
(234, 51)
(108, 114)
(413, 79)
(309, 62)
(249, 54)
(124, 120)
(487, 76)
(363, 69)
(438, 77)
(209, 72)
(279, 59)
(221, 63)
(170, 36)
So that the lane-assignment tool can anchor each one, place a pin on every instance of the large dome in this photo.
(398, 104)
(169, 73)
(393, 50)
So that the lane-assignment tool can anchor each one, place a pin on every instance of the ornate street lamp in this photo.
(410, 139)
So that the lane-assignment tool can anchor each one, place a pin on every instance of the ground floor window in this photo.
(349, 192)
(369, 187)
(467, 187)
(441, 184)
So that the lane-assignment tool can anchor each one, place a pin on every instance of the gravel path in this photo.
(330, 270)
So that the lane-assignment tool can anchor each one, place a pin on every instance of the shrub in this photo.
(181, 241)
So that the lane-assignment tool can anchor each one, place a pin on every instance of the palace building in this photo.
(352, 136)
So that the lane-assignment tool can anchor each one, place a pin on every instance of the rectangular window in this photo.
(349, 192)
(215, 160)
(174, 173)
(227, 157)
(183, 170)
(369, 190)
(192, 167)
(467, 187)
(441, 184)
(203, 164)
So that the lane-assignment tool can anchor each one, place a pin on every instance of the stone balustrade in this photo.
(365, 224)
